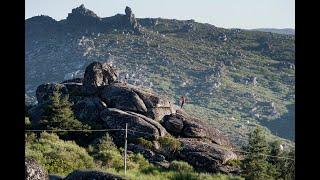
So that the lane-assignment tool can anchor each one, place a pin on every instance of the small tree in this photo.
(286, 165)
(274, 158)
(255, 163)
(275, 152)
(106, 153)
(27, 122)
(59, 116)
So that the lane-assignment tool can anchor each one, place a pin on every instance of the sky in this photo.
(245, 14)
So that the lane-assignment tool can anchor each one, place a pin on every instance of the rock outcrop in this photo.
(92, 174)
(89, 109)
(83, 19)
(98, 74)
(182, 125)
(34, 171)
(203, 155)
(154, 158)
(140, 125)
(44, 91)
(100, 99)
(122, 97)
(132, 21)
(131, 98)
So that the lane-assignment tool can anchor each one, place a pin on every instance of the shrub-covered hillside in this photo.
(233, 78)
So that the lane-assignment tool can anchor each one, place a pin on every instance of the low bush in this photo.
(27, 122)
(106, 154)
(144, 143)
(234, 162)
(180, 166)
(169, 144)
(57, 156)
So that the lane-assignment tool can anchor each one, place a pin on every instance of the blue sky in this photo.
(222, 13)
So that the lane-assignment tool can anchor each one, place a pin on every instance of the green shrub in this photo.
(144, 143)
(233, 162)
(137, 161)
(180, 166)
(27, 122)
(218, 176)
(184, 176)
(57, 156)
(106, 153)
(169, 144)
(30, 137)
(151, 170)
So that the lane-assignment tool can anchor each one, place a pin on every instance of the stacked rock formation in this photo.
(101, 99)
(132, 21)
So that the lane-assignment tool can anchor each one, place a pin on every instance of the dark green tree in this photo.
(275, 152)
(275, 157)
(286, 166)
(282, 160)
(255, 163)
(58, 115)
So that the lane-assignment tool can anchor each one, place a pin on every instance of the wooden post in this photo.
(125, 150)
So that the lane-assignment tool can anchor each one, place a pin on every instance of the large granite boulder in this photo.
(92, 175)
(75, 80)
(44, 91)
(122, 97)
(183, 125)
(157, 106)
(98, 74)
(139, 125)
(204, 155)
(75, 89)
(131, 98)
(88, 109)
(147, 153)
(34, 171)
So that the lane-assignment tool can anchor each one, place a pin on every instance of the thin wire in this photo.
(266, 155)
(141, 132)
(104, 130)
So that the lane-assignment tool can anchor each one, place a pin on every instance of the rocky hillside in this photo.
(288, 31)
(231, 78)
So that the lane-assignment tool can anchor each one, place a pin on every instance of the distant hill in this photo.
(232, 78)
(288, 31)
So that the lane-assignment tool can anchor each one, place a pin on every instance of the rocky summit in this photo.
(101, 98)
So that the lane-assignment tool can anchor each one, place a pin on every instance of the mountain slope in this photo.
(232, 78)
(287, 31)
